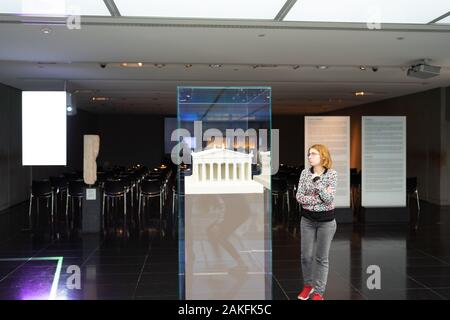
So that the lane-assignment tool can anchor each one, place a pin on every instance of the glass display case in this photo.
(223, 192)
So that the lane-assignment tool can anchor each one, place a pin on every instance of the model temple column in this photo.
(203, 171)
(195, 172)
(227, 176)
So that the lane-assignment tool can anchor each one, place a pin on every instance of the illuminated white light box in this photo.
(44, 128)
(334, 132)
(368, 11)
(383, 161)
(201, 9)
(54, 7)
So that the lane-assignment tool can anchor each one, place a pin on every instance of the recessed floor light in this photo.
(322, 67)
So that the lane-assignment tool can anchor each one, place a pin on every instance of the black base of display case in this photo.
(343, 215)
(91, 221)
(385, 215)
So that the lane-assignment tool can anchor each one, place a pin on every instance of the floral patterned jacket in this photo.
(313, 196)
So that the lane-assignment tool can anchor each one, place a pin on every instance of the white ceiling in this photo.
(32, 60)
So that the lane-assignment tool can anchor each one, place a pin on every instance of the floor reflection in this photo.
(414, 265)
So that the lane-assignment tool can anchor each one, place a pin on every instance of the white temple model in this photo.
(220, 170)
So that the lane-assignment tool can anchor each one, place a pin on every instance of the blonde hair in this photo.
(325, 157)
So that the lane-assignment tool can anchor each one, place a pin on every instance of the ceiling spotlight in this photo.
(69, 109)
(322, 67)
(188, 65)
(159, 65)
(362, 68)
(215, 65)
(359, 93)
(46, 30)
(132, 64)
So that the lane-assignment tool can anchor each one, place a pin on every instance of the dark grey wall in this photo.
(77, 126)
(447, 104)
(423, 116)
(130, 139)
(125, 140)
(292, 138)
(14, 179)
(445, 148)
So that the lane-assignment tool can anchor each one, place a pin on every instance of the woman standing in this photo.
(316, 195)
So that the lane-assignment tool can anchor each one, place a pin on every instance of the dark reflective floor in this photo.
(413, 264)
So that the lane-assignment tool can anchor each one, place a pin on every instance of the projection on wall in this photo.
(44, 128)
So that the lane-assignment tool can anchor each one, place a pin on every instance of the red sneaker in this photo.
(306, 292)
(317, 296)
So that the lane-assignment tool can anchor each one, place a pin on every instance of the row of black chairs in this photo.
(284, 188)
(139, 186)
(55, 190)
(130, 186)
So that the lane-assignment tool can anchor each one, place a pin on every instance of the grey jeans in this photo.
(315, 268)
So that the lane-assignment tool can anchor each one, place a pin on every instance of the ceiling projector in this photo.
(423, 71)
